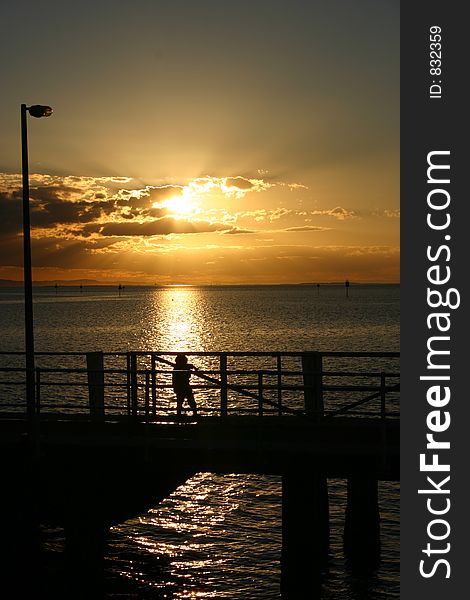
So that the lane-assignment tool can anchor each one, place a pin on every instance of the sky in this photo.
(203, 141)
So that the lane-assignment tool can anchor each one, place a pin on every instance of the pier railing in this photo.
(138, 385)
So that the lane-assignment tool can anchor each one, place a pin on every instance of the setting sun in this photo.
(211, 178)
(180, 206)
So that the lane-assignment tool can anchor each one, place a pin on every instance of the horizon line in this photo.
(96, 283)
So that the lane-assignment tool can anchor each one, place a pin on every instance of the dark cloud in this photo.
(11, 250)
(149, 196)
(51, 207)
(56, 251)
(164, 226)
(157, 194)
(239, 182)
(10, 212)
(134, 202)
(51, 213)
(305, 228)
(133, 215)
(53, 192)
(155, 213)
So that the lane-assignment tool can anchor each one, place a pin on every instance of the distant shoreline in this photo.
(7, 283)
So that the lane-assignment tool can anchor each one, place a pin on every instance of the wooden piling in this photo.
(362, 523)
(305, 510)
(312, 369)
(95, 367)
(85, 547)
(305, 531)
(20, 544)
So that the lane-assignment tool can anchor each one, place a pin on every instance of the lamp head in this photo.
(39, 111)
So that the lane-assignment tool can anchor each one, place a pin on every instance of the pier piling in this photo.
(362, 524)
(95, 366)
(85, 547)
(312, 369)
(305, 530)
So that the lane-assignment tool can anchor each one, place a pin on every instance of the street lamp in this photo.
(37, 111)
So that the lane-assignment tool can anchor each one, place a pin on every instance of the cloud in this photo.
(388, 213)
(156, 194)
(164, 226)
(284, 263)
(338, 213)
(239, 182)
(119, 223)
(235, 231)
(56, 205)
(75, 205)
(263, 214)
(279, 213)
(54, 212)
(10, 212)
(230, 187)
(307, 228)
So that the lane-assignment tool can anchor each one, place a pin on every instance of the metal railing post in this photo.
(134, 389)
(38, 391)
(147, 395)
(223, 385)
(383, 420)
(260, 393)
(279, 385)
(382, 396)
(128, 383)
(310, 381)
(154, 386)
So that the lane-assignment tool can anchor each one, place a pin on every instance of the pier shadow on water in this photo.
(40, 563)
(151, 577)
(92, 565)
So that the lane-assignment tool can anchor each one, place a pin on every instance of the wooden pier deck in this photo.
(88, 464)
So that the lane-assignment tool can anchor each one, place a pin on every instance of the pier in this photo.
(104, 443)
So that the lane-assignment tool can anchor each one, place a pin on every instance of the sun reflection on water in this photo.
(176, 321)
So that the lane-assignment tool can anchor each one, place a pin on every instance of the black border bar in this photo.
(431, 123)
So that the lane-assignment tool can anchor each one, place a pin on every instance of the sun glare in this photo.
(180, 206)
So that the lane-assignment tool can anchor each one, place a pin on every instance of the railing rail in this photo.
(138, 384)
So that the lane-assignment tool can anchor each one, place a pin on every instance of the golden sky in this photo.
(204, 142)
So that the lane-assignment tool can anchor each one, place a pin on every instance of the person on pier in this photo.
(181, 386)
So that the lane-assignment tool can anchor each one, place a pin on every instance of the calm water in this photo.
(220, 536)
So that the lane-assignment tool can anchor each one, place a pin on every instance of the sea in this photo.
(218, 536)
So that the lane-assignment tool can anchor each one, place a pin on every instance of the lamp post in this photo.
(35, 111)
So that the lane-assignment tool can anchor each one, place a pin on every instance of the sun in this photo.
(180, 206)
